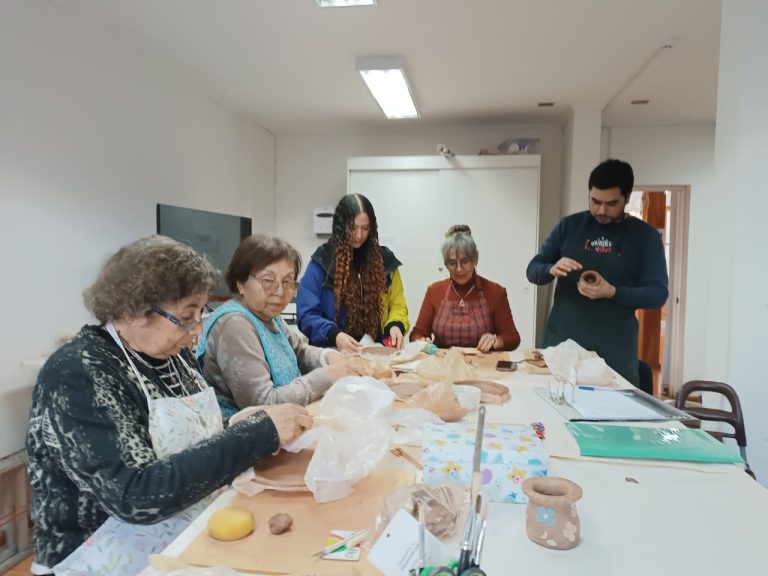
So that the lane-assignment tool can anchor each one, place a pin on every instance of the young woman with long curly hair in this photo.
(352, 286)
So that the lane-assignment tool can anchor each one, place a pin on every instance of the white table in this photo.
(678, 519)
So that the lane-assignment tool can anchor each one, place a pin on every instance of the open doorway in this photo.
(662, 332)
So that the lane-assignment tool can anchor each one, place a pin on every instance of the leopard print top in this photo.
(90, 454)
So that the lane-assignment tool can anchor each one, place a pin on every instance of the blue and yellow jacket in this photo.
(316, 302)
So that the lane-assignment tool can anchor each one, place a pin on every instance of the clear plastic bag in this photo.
(589, 368)
(353, 431)
(593, 372)
(445, 509)
(452, 367)
(439, 398)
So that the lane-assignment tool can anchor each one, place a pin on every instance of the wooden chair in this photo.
(734, 417)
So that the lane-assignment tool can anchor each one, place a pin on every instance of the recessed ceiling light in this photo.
(385, 78)
(342, 3)
(640, 102)
(546, 104)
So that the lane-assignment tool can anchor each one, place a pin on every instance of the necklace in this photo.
(168, 367)
(173, 374)
(461, 298)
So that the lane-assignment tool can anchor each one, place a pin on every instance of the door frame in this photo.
(678, 270)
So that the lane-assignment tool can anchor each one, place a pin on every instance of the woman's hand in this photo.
(291, 421)
(396, 337)
(339, 370)
(487, 342)
(345, 342)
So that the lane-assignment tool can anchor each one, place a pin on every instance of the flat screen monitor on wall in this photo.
(210, 233)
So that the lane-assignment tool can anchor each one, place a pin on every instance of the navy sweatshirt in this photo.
(643, 281)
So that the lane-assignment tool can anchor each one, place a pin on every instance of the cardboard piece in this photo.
(284, 470)
(291, 552)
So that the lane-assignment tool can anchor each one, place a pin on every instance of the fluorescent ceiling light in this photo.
(385, 78)
(338, 3)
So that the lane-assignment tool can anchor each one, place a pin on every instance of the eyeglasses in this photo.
(270, 285)
(453, 264)
(205, 313)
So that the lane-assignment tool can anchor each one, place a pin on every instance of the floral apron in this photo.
(118, 548)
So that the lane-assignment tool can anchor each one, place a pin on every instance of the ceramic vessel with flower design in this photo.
(551, 517)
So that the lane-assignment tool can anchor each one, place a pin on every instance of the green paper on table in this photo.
(684, 444)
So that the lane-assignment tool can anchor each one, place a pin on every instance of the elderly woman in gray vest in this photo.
(247, 352)
(125, 443)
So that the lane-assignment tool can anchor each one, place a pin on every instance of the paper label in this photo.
(396, 551)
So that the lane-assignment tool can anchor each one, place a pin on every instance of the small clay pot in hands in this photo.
(551, 517)
(589, 277)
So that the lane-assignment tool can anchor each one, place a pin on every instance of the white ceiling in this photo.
(290, 65)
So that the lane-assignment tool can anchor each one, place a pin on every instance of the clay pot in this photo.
(551, 518)
(589, 277)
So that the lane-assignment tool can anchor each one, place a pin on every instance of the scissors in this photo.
(450, 570)
(473, 571)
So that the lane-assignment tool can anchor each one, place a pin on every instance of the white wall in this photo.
(582, 144)
(739, 263)
(312, 171)
(90, 140)
(682, 155)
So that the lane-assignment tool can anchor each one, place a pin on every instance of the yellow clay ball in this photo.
(230, 524)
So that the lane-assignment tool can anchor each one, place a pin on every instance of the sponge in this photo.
(231, 523)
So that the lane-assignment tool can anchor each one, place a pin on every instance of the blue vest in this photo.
(283, 365)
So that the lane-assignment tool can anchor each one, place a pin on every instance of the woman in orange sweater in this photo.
(466, 309)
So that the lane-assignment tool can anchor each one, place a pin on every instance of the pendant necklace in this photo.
(461, 298)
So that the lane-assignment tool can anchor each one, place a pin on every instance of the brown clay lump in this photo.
(280, 523)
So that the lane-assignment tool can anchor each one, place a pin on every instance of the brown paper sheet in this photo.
(485, 364)
(291, 553)
(284, 470)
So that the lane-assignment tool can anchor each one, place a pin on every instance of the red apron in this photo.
(462, 323)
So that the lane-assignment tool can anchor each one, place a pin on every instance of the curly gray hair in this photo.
(459, 239)
(149, 273)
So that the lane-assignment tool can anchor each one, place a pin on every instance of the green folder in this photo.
(685, 444)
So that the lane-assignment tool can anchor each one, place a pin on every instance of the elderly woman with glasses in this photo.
(466, 309)
(125, 442)
(247, 352)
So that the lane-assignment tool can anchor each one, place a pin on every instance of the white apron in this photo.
(118, 548)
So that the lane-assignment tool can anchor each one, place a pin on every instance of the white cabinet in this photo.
(417, 198)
